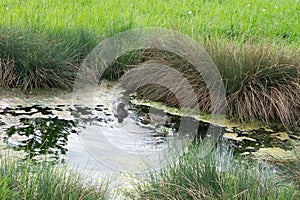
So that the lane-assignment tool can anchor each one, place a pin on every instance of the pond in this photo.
(90, 138)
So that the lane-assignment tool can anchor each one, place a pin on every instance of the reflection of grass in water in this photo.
(216, 176)
(43, 181)
(44, 133)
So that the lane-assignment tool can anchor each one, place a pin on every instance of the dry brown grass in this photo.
(262, 82)
(8, 75)
(190, 83)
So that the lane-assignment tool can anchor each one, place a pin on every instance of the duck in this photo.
(156, 119)
(120, 112)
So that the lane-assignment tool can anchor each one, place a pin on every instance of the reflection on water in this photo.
(43, 135)
(91, 139)
(43, 130)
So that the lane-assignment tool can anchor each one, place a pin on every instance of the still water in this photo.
(90, 139)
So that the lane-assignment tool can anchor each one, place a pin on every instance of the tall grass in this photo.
(32, 59)
(215, 176)
(255, 45)
(237, 19)
(262, 81)
(28, 180)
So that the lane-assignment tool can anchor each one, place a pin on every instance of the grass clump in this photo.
(28, 180)
(32, 59)
(262, 81)
(215, 176)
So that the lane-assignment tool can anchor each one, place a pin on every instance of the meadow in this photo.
(274, 21)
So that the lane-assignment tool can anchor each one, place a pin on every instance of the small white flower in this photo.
(276, 7)
(190, 12)
(263, 10)
(248, 5)
(6, 8)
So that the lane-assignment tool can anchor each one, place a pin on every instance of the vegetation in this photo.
(262, 82)
(254, 44)
(30, 59)
(276, 21)
(28, 180)
(216, 176)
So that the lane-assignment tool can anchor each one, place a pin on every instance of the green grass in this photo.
(30, 59)
(274, 20)
(216, 175)
(255, 45)
(28, 180)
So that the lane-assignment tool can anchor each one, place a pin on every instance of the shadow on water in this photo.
(40, 131)
(45, 135)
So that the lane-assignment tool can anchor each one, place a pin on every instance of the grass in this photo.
(262, 82)
(28, 180)
(274, 20)
(32, 59)
(255, 45)
(216, 175)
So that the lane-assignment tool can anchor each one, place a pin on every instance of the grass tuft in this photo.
(215, 176)
(262, 81)
(28, 180)
(31, 59)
